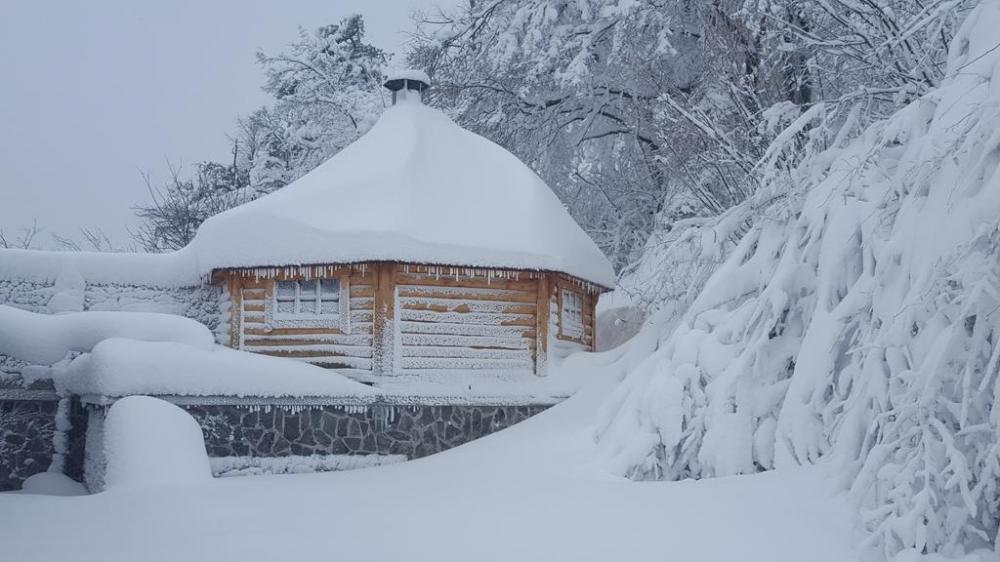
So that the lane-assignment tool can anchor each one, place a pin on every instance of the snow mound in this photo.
(416, 188)
(149, 442)
(123, 367)
(46, 339)
(52, 484)
(857, 320)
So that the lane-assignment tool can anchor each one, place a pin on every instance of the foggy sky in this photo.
(92, 93)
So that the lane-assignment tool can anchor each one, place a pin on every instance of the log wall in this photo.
(449, 320)
(328, 347)
(415, 319)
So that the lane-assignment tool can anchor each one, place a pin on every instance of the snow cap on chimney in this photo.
(407, 84)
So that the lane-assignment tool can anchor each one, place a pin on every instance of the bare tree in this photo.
(24, 239)
(94, 239)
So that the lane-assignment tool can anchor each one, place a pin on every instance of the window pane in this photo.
(330, 289)
(307, 293)
(286, 290)
(286, 307)
(329, 307)
(572, 313)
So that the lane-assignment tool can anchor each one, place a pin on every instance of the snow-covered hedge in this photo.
(858, 319)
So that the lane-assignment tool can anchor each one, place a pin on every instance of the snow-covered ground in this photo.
(527, 493)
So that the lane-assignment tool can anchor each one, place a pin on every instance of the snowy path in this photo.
(522, 494)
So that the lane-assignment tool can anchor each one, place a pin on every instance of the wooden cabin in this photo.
(420, 249)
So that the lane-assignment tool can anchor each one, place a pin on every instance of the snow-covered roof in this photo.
(416, 188)
(408, 74)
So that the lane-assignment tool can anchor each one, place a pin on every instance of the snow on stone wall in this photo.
(206, 304)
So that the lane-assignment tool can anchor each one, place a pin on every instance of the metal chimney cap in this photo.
(408, 78)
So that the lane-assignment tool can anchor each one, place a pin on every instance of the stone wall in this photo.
(413, 431)
(29, 431)
(32, 437)
(26, 445)
(294, 428)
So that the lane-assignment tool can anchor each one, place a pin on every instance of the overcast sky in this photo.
(93, 92)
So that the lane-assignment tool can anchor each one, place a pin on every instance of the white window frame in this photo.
(340, 320)
(570, 317)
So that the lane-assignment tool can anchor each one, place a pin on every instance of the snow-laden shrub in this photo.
(856, 319)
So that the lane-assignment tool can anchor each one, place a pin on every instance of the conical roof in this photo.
(416, 188)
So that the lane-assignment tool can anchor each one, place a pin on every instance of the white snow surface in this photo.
(123, 367)
(51, 484)
(151, 443)
(525, 493)
(416, 188)
(46, 339)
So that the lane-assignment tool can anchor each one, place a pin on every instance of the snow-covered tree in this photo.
(856, 316)
(327, 90)
(642, 113)
(327, 93)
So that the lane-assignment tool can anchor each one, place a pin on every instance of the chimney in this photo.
(407, 85)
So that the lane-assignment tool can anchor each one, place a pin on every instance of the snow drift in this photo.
(46, 339)
(857, 319)
(149, 442)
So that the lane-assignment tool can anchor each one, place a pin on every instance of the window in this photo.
(313, 303)
(571, 314)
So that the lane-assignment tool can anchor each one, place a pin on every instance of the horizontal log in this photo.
(326, 339)
(259, 305)
(318, 357)
(466, 282)
(466, 341)
(452, 329)
(492, 319)
(254, 294)
(362, 303)
(357, 316)
(449, 305)
(466, 352)
(357, 329)
(309, 349)
(465, 293)
(417, 363)
(468, 271)
(462, 374)
(362, 291)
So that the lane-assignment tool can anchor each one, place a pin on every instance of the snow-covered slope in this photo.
(858, 319)
(525, 493)
(418, 188)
